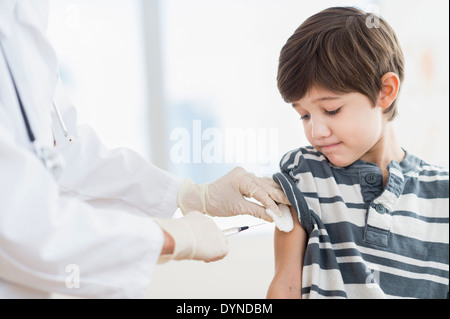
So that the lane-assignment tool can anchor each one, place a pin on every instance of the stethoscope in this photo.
(52, 161)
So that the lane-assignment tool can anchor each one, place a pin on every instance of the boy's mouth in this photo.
(329, 147)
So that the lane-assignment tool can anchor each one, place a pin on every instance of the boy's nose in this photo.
(319, 129)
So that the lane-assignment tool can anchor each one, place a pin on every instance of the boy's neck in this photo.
(386, 150)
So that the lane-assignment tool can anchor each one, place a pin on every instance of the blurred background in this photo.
(191, 86)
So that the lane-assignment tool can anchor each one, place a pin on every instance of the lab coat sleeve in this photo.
(48, 240)
(118, 177)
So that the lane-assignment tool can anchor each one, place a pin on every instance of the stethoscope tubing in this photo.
(50, 159)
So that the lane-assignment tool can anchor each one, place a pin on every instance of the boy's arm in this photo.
(289, 254)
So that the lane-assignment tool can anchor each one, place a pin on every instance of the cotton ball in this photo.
(284, 223)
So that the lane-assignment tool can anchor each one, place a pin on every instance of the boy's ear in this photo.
(389, 90)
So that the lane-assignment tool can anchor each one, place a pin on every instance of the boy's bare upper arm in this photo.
(290, 247)
(289, 254)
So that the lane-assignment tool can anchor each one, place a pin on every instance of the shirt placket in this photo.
(379, 214)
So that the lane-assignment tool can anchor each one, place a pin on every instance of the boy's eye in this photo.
(304, 117)
(334, 112)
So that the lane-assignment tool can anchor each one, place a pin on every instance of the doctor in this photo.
(70, 208)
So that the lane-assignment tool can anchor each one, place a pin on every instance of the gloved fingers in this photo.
(215, 259)
(271, 182)
(211, 243)
(273, 189)
(259, 189)
(196, 236)
(266, 200)
(245, 207)
(224, 197)
(269, 192)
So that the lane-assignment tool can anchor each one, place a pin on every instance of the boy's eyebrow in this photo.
(326, 98)
(320, 99)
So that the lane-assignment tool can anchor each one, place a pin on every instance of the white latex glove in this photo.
(196, 237)
(225, 197)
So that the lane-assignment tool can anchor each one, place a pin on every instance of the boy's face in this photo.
(343, 127)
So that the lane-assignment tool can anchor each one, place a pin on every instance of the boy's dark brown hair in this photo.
(341, 49)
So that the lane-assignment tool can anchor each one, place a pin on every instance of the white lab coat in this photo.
(96, 216)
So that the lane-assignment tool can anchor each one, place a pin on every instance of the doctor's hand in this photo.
(226, 196)
(195, 236)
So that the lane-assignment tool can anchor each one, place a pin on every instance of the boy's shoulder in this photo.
(427, 181)
(414, 166)
(293, 158)
(303, 160)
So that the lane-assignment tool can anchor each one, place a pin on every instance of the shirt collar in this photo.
(410, 163)
(6, 15)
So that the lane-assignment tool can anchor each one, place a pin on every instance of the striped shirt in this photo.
(366, 240)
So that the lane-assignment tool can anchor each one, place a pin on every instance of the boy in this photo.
(372, 218)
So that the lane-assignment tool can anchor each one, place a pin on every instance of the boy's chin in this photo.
(340, 162)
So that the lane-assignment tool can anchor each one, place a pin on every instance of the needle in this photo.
(237, 230)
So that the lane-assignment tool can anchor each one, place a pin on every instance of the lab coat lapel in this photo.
(33, 63)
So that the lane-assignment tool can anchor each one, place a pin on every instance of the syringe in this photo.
(234, 230)
(237, 230)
